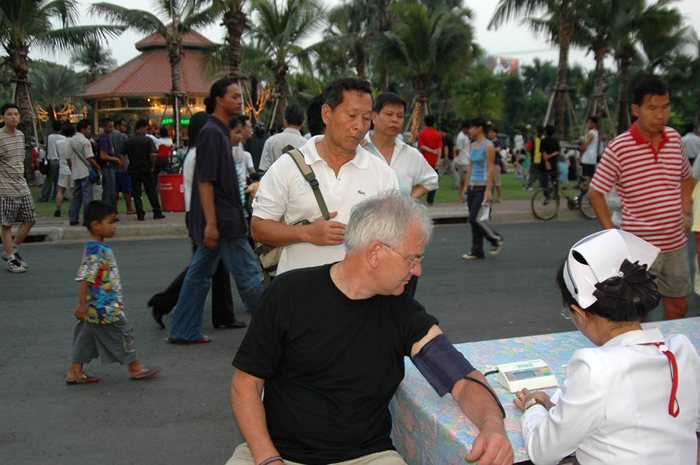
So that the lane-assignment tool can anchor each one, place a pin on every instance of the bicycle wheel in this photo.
(584, 204)
(545, 203)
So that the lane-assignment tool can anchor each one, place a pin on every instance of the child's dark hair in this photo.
(97, 210)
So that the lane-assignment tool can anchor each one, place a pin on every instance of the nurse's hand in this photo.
(526, 399)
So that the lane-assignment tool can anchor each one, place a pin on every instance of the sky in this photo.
(510, 40)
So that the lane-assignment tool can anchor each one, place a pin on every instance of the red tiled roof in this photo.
(192, 39)
(149, 73)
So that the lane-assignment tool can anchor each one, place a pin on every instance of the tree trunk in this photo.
(359, 55)
(19, 63)
(561, 87)
(597, 107)
(623, 112)
(281, 84)
(235, 23)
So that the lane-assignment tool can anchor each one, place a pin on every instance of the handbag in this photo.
(94, 175)
(44, 166)
(269, 255)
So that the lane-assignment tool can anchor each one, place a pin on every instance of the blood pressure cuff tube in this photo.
(441, 364)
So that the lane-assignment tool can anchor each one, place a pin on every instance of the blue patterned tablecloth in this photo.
(429, 430)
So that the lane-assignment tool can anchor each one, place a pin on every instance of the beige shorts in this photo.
(672, 273)
(64, 181)
(242, 456)
(497, 176)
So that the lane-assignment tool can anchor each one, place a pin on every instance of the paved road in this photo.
(183, 416)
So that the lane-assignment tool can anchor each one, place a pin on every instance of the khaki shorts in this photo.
(64, 181)
(672, 273)
(242, 456)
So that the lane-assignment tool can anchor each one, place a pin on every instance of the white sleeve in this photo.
(696, 168)
(266, 157)
(270, 202)
(425, 175)
(551, 436)
(249, 161)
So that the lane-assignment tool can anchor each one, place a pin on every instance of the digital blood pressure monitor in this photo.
(530, 374)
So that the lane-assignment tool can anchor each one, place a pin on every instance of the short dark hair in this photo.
(106, 121)
(68, 129)
(478, 122)
(689, 127)
(314, 120)
(334, 92)
(539, 130)
(549, 130)
(648, 85)
(164, 132)
(119, 121)
(218, 89)
(235, 121)
(82, 124)
(97, 210)
(466, 123)
(7, 106)
(294, 114)
(56, 125)
(429, 120)
(142, 123)
(388, 98)
(593, 119)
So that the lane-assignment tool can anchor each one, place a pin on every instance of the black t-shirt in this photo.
(215, 164)
(550, 145)
(330, 364)
(139, 149)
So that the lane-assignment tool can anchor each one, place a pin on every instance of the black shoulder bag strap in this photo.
(310, 177)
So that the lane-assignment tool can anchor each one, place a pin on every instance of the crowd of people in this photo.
(328, 335)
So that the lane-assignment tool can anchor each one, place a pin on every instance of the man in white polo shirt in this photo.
(416, 177)
(654, 183)
(347, 174)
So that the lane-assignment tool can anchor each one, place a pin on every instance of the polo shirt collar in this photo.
(630, 338)
(360, 160)
(639, 139)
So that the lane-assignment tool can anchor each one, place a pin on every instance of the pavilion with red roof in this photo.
(141, 87)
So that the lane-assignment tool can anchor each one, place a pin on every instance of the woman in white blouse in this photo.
(634, 398)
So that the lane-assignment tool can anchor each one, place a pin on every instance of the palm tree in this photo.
(633, 19)
(421, 42)
(349, 30)
(183, 16)
(96, 59)
(53, 86)
(278, 32)
(25, 24)
(559, 18)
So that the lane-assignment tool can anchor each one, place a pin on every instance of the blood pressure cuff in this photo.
(441, 364)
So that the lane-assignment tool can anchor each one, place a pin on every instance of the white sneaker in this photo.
(496, 249)
(15, 266)
(19, 259)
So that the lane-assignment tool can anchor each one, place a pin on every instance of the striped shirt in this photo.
(12, 182)
(648, 182)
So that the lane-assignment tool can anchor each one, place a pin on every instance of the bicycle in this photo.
(546, 200)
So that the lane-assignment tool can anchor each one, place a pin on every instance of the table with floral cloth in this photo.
(429, 430)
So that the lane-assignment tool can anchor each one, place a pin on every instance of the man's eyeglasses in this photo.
(413, 261)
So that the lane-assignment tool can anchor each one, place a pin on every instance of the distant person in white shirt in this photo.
(275, 144)
(415, 175)
(462, 144)
(589, 149)
(690, 143)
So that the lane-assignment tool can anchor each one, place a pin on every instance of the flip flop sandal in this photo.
(85, 379)
(146, 373)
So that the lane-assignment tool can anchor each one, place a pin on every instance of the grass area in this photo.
(47, 208)
(510, 185)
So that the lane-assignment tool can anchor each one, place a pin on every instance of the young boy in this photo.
(103, 330)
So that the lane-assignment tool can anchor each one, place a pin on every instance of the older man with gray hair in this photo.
(327, 345)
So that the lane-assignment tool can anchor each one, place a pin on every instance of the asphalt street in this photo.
(183, 415)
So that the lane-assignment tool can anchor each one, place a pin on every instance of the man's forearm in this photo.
(249, 412)
(206, 198)
(276, 233)
(418, 191)
(476, 403)
(601, 208)
(687, 187)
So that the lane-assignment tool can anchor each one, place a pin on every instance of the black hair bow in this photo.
(629, 295)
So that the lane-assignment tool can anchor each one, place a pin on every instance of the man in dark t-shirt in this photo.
(216, 222)
(327, 345)
(549, 147)
(141, 152)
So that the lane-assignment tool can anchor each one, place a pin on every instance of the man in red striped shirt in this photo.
(653, 180)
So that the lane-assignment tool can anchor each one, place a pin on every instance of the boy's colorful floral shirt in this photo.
(99, 269)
